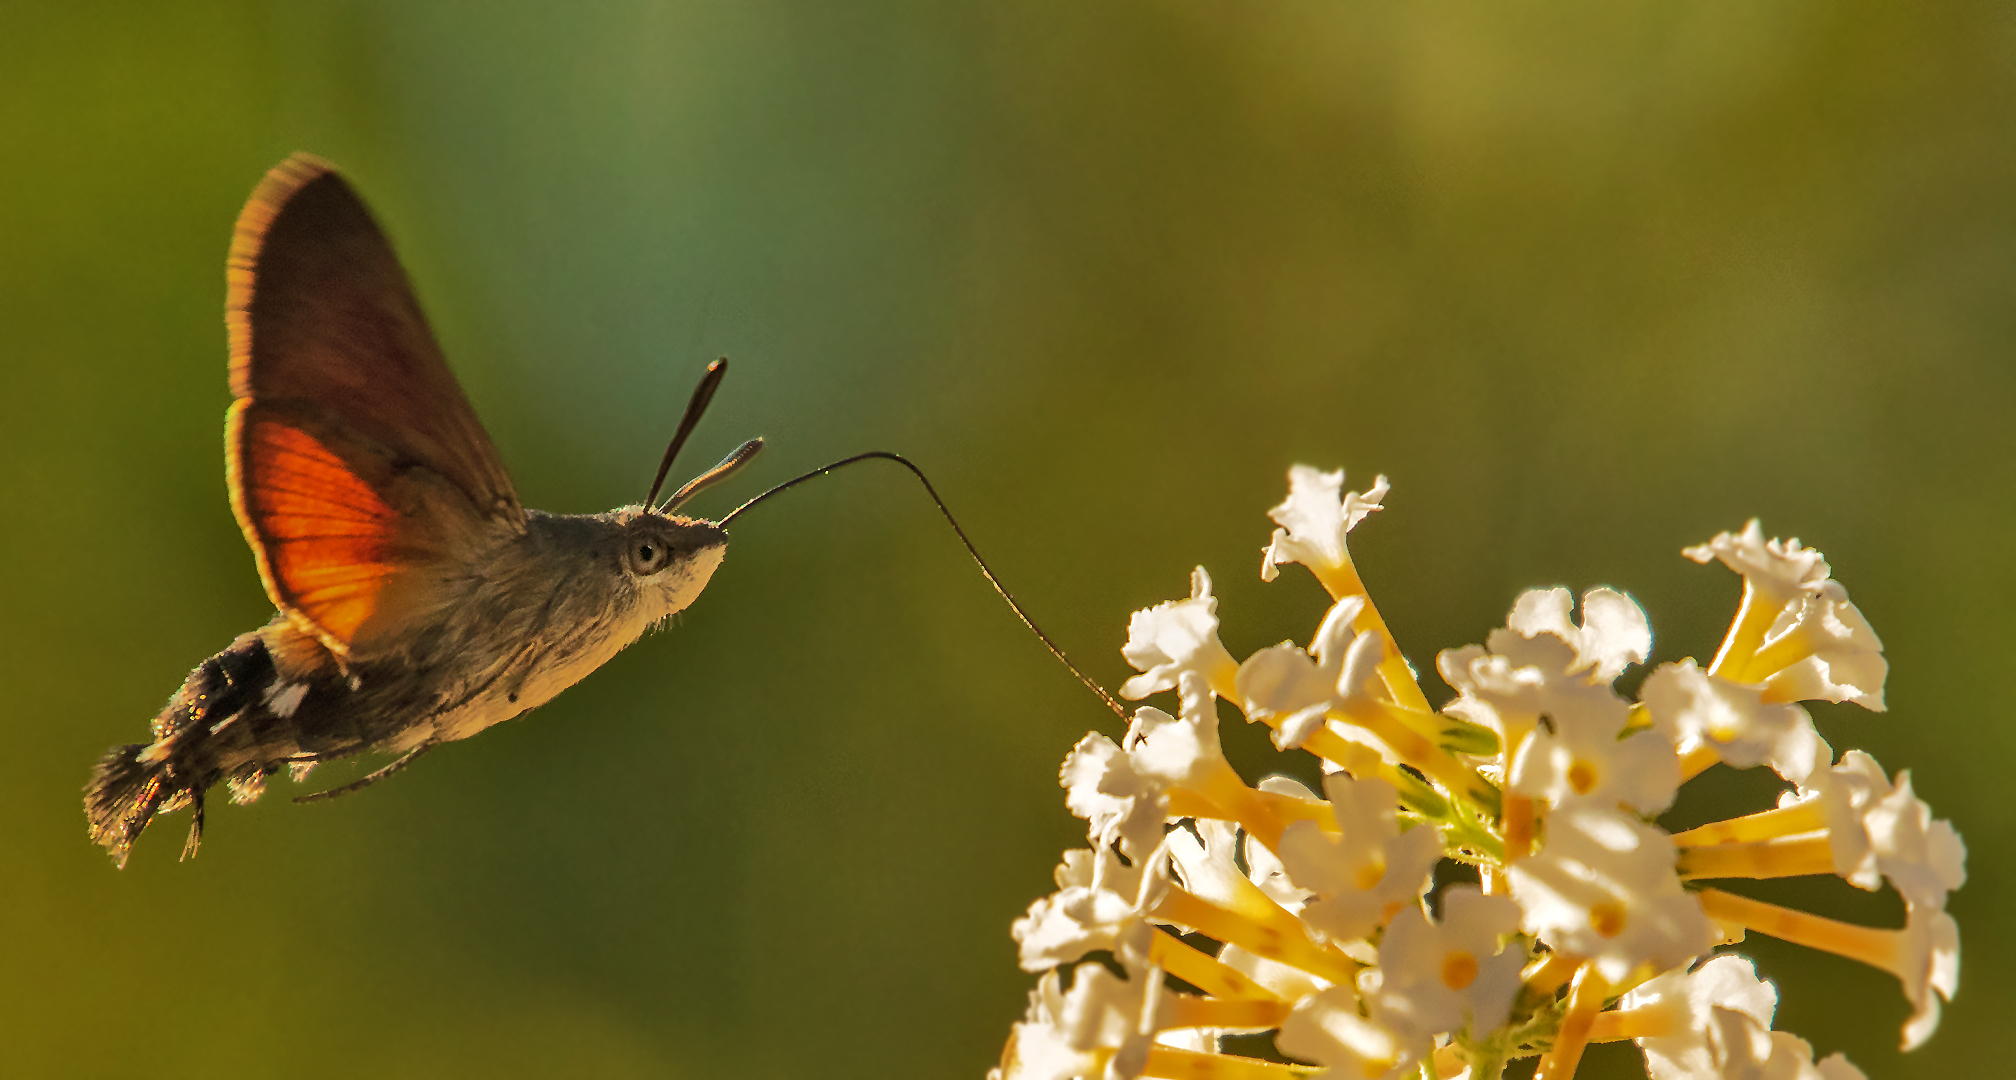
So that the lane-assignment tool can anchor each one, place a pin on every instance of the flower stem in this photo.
(1486, 1064)
(1174, 1064)
(1419, 751)
(1546, 976)
(1518, 826)
(1341, 580)
(1697, 760)
(1223, 789)
(1871, 945)
(1359, 760)
(1643, 1023)
(1788, 856)
(1800, 817)
(1746, 634)
(1585, 1000)
(1288, 945)
(1190, 1011)
(1202, 970)
(1788, 650)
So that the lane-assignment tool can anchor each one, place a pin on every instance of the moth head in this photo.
(665, 559)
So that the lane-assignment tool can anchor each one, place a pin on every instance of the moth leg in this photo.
(195, 839)
(247, 786)
(359, 785)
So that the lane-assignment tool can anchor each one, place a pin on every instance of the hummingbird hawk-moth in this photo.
(418, 601)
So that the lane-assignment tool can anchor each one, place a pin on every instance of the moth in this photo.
(418, 602)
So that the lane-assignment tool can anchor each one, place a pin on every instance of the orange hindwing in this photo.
(356, 464)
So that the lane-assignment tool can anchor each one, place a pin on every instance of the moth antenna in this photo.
(728, 467)
(702, 394)
(987, 571)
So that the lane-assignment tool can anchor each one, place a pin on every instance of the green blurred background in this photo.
(1590, 281)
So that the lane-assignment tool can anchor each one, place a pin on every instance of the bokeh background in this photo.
(1590, 281)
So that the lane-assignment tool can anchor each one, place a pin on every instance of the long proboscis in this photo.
(987, 571)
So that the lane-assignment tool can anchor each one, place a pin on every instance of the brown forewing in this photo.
(355, 461)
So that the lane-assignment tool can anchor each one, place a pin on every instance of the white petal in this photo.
(1615, 632)
(1336, 634)
(1103, 786)
(1929, 969)
(1837, 1067)
(1360, 665)
(1173, 637)
(1314, 519)
(1297, 727)
(1781, 569)
(1856, 677)
(1281, 679)
(1325, 1028)
(1177, 749)
(1694, 708)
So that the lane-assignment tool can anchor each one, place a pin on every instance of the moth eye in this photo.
(647, 557)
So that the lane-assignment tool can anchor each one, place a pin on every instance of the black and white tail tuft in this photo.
(124, 795)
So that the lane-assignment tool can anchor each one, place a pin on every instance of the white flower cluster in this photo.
(1205, 907)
